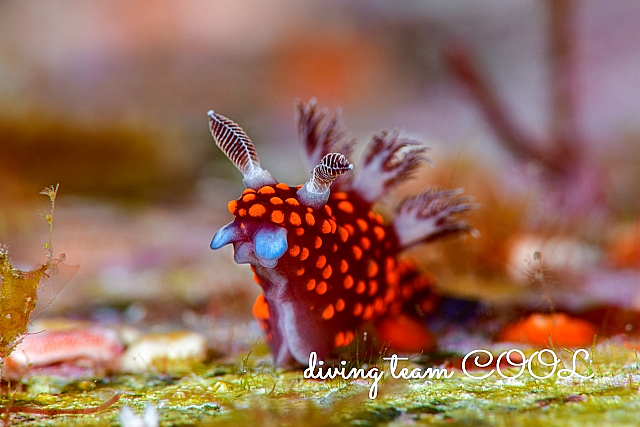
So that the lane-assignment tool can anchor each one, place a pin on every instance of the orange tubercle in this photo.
(311, 284)
(257, 210)
(267, 190)
(326, 273)
(343, 233)
(372, 268)
(328, 312)
(321, 289)
(277, 217)
(261, 308)
(294, 251)
(405, 334)
(348, 282)
(250, 197)
(321, 261)
(309, 218)
(294, 219)
(339, 340)
(357, 309)
(346, 207)
(379, 232)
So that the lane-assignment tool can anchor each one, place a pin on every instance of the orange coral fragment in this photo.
(563, 330)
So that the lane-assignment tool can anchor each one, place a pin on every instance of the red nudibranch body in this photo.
(328, 264)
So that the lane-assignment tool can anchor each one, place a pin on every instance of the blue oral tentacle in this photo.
(228, 234)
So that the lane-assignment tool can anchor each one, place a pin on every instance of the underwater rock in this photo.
(164, 350)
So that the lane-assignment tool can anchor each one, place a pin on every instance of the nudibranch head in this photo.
(268, 211)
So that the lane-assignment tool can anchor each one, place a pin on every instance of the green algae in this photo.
(25, 294)
(250, 391)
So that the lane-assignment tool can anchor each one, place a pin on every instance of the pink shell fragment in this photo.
(98, 345)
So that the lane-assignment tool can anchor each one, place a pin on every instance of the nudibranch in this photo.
(327, 263)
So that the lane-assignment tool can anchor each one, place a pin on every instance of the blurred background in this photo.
(531, 106)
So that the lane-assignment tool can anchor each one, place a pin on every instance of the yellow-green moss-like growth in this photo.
(18, 296)
(23, 295)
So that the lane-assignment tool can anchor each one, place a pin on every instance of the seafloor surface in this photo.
(248, 391)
